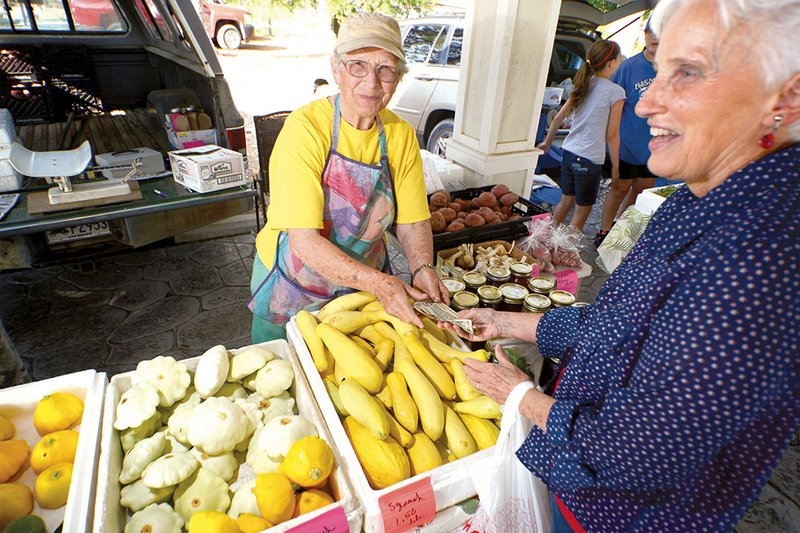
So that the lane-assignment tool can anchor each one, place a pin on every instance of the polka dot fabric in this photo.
(681, 387)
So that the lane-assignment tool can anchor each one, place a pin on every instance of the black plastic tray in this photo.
(503, 231)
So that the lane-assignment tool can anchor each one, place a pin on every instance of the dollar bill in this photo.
(441, 313)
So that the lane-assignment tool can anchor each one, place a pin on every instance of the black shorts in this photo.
(580, 178)
(628, 171)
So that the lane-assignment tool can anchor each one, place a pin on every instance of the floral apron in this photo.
(359, 207)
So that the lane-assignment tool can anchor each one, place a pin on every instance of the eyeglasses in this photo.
(360, 69)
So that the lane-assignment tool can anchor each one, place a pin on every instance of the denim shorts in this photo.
(580, 178)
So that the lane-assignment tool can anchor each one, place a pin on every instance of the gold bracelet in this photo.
(419, 268)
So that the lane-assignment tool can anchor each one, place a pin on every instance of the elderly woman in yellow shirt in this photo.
(344, 169)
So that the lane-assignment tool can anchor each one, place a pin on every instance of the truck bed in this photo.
(108, 132)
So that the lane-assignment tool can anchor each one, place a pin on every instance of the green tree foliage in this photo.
(340, 9)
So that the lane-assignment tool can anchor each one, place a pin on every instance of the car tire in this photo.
(228, 37)
(440, 133)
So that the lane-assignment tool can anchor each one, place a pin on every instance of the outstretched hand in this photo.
(484, 325)
(393, 293)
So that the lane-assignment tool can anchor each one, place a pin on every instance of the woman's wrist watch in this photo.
(420, 269)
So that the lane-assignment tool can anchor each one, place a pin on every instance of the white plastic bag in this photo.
(512, 498)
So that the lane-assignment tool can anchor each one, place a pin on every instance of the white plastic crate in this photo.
(451, 482)
(18, 404)
(110, 516)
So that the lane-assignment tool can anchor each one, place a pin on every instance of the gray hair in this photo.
(777, 19)
(402, 68)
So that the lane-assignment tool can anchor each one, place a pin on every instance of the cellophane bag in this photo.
(535, 244)
(565, 244)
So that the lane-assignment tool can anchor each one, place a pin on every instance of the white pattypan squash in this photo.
(280, 405)
(142, 454)
(217, 425)
(170, 377)
(224, 465)
(129, 437)
(212, 369)
(274, 378)
(136, 405)
(169, 470)
(249, 360)
(204, 491)
(257, 458)
(231, 391)
(173, 445)
(255, 419)
(281, 432)
(137, 495)
(178, 423)
(155, 518)
(244, 500)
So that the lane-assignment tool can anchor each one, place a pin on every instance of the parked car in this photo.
(428, 94)
(228, 26)
(109, 72)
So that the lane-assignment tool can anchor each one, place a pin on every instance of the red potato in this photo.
(487, 199)
(474, 220)
(455, 206)
(486, 213)
(439, 199)
(448, 214)
(455, 225)
(509, 199)
(465, 204)
(438, 222)
(500, 190)
(494, 220)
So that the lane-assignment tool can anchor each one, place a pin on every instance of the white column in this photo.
(507, 49)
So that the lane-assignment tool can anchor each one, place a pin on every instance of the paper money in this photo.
(441, 313)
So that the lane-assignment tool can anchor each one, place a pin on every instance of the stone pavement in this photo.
(181, 299)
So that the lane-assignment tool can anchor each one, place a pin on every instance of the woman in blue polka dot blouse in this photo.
(678, 388)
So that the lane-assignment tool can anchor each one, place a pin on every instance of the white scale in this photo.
(63, 165)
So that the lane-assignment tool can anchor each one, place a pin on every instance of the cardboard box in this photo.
(208, 168)
(109, 515)
(451, 482)
(152, 162)
(18, 404)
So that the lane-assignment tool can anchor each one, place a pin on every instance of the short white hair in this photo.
(777, 21)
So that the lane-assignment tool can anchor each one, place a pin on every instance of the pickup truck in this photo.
(108, 71)
(228, 26)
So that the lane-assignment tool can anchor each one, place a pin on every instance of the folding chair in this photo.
(267, 129)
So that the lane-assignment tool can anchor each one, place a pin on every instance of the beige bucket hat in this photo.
(367, 30)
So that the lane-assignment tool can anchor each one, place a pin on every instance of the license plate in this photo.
(79, 232)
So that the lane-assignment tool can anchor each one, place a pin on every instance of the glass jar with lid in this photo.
(489, 296)
(513, 296)
(498, 275)
(561, 298)
(536, 303)
(521, 273)
(453, 285)
(473, 280)
(541, 285)
(464, 300)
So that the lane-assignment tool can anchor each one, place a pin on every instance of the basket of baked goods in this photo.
(478, 214)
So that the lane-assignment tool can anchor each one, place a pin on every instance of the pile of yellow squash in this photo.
(401, 391)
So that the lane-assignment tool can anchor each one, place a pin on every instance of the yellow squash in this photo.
(16, 501)
(370, 334)
(459, 440)
(429, 404)
(400, 326)
(57, 411)
(482, 407)
(347, 321)
(384, 351)
(351, 360)
(53, 448)
(405, 410)
(307, 324)
(274, 497)
(400, 350)
(348, 302)
(250, 523)
(423, 454)
(430, 366)
(212, 522)
(333, 392)
(311, 500)
(52, 486)
(364, 408)
(13, 454)
(483, 431)
(7, 428)
(464, 388)
(308, 462)
(385, 397)
(384, 461)
(398, 432)
(364, 344)
(445, 352)
(433, 329)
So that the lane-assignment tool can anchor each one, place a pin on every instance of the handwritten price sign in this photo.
(567, 280)
(333, 521)
(409, 506)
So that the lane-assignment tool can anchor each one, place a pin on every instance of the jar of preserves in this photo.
(498, 275)
(581, 304)
(513, 296)
(489, 296)
(521, 273)
(541, 285)
(464, 300)
(453, 285)
(473, 280)
(536, 303)
(561, 298)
